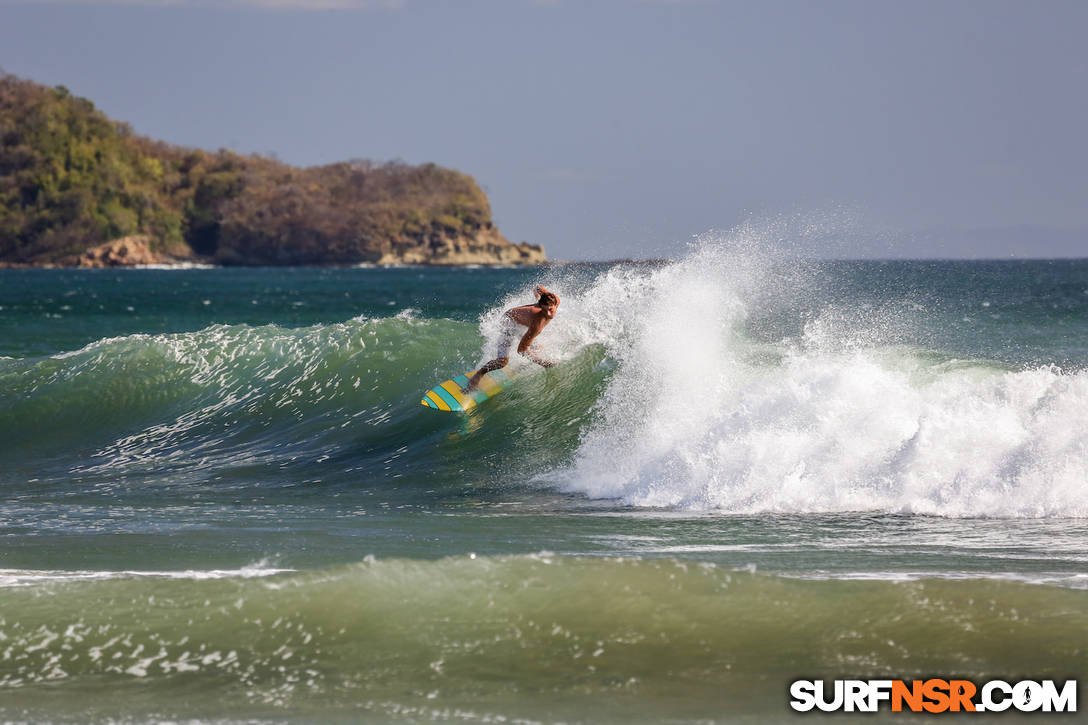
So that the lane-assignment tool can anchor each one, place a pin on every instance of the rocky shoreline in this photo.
(136, 251)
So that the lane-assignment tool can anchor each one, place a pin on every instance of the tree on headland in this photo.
(68, 177)
(72, 178)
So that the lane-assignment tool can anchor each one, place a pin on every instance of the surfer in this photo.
(535, 317)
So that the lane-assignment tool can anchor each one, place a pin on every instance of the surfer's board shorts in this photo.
(509, 333)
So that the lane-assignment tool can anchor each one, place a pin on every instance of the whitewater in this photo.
(849, 414)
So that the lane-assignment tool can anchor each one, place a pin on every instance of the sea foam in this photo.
(700, 414)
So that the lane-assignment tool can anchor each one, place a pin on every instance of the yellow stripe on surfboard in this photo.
(489, 386)
(438, 402)
(455, 390)
(448, 396)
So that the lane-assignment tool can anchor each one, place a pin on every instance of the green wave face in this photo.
(246, 400)
(543, 637)
(159, 397)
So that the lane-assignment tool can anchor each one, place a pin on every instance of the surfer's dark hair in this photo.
(548, 299)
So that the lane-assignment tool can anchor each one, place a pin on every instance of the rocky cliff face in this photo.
(487, 247)
(126, 252)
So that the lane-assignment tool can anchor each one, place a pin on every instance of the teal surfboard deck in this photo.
(447, 395)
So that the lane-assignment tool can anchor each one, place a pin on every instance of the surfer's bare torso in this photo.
(534, 317)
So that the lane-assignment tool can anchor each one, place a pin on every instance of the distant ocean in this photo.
(221, 501)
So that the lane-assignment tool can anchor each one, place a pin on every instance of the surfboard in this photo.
(448, 396)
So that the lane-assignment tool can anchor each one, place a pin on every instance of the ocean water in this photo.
(221, 501)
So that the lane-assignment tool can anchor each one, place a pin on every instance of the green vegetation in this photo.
(71, 178)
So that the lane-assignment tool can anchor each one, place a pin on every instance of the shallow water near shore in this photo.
(221, 501)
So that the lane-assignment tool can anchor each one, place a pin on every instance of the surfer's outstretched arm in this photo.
(525, 350)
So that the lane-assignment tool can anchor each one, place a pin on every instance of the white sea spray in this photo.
(700, 415)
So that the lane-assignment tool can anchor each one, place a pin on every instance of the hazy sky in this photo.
(614, 128)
